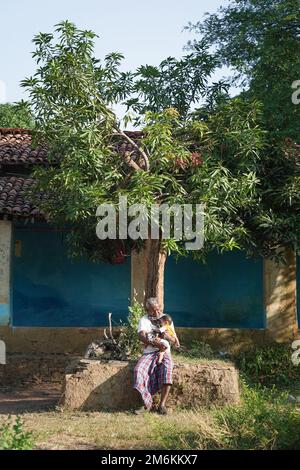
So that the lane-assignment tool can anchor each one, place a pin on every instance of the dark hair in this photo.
(167, 318)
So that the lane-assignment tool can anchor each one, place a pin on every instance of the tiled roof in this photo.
(16, 148)
(13, 198)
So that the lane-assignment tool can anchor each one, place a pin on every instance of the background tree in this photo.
(15, 115)
(260, 42)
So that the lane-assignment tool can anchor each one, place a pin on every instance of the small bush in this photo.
(129, 340)
(269, 365)
(13, 437)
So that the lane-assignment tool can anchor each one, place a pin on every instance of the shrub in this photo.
(13, 437)
(264, 421)
(128, 339)
(269, 365)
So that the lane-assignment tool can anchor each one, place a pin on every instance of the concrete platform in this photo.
(107, 385)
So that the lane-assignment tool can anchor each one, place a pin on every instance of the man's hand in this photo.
(158, 344)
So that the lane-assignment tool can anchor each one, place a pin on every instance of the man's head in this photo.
(153, 307)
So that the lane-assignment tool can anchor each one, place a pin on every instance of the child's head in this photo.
(165, 320)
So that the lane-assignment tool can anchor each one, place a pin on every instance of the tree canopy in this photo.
(220, 155)
(260, 41)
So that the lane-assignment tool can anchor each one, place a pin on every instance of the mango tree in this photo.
(195, 145)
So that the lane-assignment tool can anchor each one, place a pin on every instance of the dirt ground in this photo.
(35, 398)
(55, 429)
(37, 403)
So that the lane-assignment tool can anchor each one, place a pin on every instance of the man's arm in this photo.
(156, 343)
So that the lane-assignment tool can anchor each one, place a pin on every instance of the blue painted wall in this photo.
(227, 292)
(4, 314)
(49, 289)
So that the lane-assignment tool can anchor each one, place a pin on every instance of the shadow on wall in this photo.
(280, 298)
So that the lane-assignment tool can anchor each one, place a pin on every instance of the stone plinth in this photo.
(100, 385)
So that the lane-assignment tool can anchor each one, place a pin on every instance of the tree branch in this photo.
(136, 146)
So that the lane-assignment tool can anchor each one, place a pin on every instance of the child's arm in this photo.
(177, 344)
(172, 333)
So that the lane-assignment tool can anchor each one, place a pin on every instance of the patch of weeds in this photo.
(269, 365)
(13, 436)
(190, 430)
(263, 421)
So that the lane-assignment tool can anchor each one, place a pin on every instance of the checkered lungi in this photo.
(149, 377)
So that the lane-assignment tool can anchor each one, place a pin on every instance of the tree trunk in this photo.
(155, 260)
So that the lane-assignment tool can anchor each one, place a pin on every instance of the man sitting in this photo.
(149, 375)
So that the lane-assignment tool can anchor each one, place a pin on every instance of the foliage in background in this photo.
(16, 115)
(269, 365)
(13, 436)
(260, 42)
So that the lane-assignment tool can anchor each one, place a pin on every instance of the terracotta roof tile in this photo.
(13, 198)
(16, 148)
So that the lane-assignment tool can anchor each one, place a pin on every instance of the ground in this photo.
(57, 429)
(266, 417)
(260, 422)
(61, 431)
(36, 397)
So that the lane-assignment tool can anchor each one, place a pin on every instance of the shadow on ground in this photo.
(34, 398)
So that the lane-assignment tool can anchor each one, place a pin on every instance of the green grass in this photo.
(263, 421)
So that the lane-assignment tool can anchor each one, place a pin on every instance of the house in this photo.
(51, 303)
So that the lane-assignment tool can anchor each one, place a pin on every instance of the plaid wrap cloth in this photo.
(149, 377)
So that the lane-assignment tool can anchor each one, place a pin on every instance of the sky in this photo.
(145, 32)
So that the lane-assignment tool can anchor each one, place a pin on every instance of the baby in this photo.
(163, 325)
